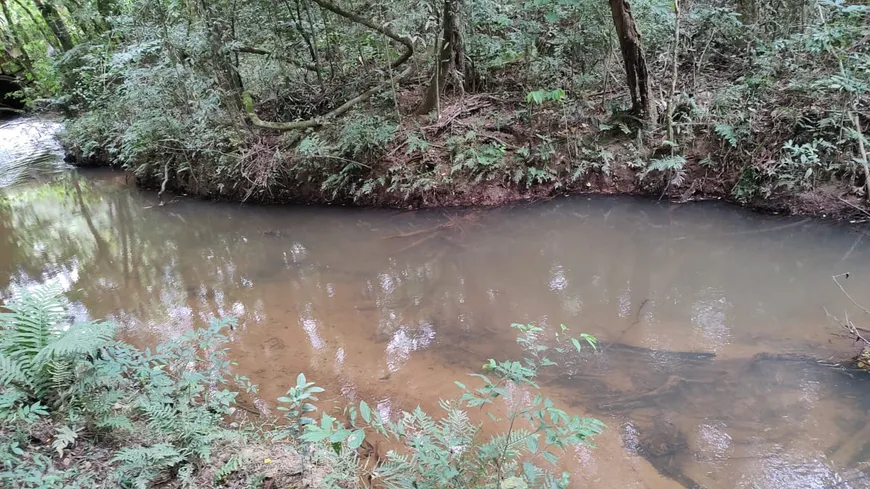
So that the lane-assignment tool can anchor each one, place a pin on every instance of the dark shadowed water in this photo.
(711, 315)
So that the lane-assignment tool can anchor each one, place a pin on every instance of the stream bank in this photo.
(470, 157)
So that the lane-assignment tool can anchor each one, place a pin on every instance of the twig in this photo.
(415, 243)
(864, 162)
(863, 211)
(854, 245)
(847, 294)
(414, 233)
(163, 185)
(851, 328)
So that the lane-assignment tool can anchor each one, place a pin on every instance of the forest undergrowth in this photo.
(462, 103)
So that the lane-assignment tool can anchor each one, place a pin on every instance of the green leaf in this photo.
(355, 439)
(532, 444)
(339, 435)
(576, 344)
(531, 472)
(314, 434)
(365, 411)
(550, 457)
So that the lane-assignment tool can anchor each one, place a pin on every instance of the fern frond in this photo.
(12, 373)
(229, 467)
(79, 339)
(64, 437)
(33, 321)
(115, 422)
(141, 465)
(675, 162)
(161, 417)
(726, 132)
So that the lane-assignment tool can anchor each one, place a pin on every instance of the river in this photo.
(711, 313)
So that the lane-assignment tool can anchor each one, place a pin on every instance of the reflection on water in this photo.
(704, 312)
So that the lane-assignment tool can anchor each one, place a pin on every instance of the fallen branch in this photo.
(414, 233)
(323, 120)
(864, 161)
(263, 52)
(415, 243)
(163, 185)
(316, 121)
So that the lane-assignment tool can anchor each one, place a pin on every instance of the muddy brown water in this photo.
(711, 318)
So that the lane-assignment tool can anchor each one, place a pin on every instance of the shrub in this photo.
(452, 451)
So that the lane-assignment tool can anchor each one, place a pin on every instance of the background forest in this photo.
(456, 101)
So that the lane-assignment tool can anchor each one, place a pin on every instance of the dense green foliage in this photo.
(754, 98)
(77, 405)
(159, 410)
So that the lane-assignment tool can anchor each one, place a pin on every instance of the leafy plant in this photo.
(42, 356)
(167, 406)
(141, 465)
(671, 166)
(451, 452)
(297, 407)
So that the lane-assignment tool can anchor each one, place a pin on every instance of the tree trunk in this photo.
(23, 59)
(225, 71)
(55, 23)
(450, 52)
(39, 25)
(636, 72)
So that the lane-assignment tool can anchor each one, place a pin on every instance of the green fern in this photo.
(726, 132)
(139, 466)
(12, 373)
(675, 163)
(64, 437)
(229, 467)
(40, 354)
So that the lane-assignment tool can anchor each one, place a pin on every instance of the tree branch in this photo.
(409, 45)
(323, 120)
(263, 52)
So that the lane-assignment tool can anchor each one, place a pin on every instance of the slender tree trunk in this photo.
(24, 59)
(39, 25)
(225, 71)
(55, 23)
(637, 76)
(450, 43)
